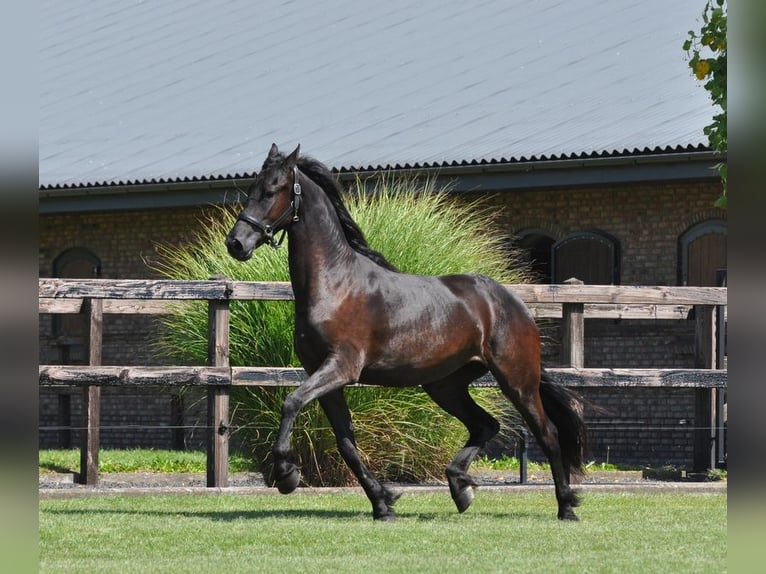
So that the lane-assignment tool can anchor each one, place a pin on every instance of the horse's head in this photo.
(272, 204)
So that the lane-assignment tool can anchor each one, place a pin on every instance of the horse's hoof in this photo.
(386, 517)
(464, 499)
(391, 497)
(568, 515)
(288, 483)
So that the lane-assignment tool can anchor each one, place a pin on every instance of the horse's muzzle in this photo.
(237, 250)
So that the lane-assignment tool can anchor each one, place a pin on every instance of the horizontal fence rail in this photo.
(539, 310)
(80, 376)
(571, 302)
(222, 290)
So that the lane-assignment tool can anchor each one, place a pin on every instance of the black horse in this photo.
(358, 319)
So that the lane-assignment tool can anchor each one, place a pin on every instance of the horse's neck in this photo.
(319, 250)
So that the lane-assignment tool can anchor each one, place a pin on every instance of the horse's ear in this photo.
(274, 151)
(291, 159)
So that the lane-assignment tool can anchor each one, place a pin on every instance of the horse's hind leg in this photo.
(452, 395)
(547, 437)
(522, 387)
(382, 499)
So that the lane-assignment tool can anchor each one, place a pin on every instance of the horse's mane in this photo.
(320, 175)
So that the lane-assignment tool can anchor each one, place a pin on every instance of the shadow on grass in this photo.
(290, 513)
(53, 467)
(219, 516)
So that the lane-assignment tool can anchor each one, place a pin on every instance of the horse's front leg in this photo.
(382, 499)
(332, 375)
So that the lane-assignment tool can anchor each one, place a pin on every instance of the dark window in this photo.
(590, 256)
(70, 329)
(77, 262)
(537, 247)
(702, 255)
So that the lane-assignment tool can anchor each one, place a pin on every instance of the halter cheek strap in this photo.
(269, 230)
(297, 197)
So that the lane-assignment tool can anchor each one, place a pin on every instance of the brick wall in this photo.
(125, 243)
(638, 427)
(130, 418)
(644, 427)
(647, 220)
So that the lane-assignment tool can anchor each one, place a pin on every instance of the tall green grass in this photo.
(401, 433)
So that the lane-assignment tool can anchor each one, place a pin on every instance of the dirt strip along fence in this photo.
(572, 302)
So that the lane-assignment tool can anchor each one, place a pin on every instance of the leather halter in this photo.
(269, 230)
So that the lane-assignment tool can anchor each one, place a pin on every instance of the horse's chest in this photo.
(356, 322)
(318, 331)
(325, 327)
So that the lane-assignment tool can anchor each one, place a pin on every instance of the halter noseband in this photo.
(269, 230)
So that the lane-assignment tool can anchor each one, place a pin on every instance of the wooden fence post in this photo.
(218, 396)
(573, 331)
(91, 397)
(704, 408)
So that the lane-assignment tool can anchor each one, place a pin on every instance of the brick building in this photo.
(586, 136)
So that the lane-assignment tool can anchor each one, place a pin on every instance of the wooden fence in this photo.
(572, 303)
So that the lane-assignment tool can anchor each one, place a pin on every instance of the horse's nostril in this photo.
(234, 245)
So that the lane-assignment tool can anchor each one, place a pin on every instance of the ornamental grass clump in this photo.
(402, 434)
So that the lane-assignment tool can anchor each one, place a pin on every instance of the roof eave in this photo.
(696, 164)
(570, 172)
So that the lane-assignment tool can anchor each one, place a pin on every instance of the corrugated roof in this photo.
(139, 91)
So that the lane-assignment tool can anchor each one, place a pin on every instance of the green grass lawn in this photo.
(136, 460)
(150, 460)
(326, 532)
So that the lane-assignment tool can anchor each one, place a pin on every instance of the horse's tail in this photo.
(565, 408)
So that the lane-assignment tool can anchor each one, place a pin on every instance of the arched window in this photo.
(76, 262)
(591, 256)
(702, 254)
(537, 245)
